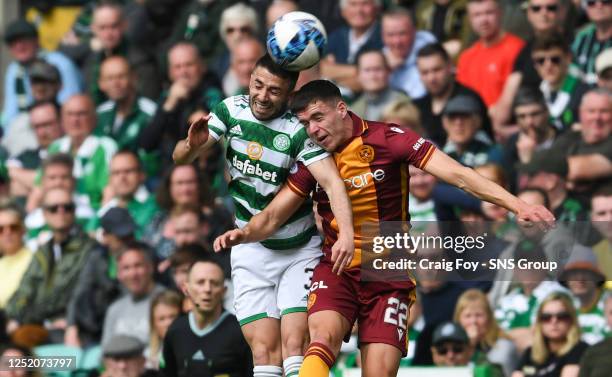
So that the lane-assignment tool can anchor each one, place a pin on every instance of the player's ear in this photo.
(342, 109)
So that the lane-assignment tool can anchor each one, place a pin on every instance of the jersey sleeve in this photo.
(407, 146)
(300, 180)
(219, 120)
(306, 150)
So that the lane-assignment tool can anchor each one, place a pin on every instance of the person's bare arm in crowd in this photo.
(590, 166)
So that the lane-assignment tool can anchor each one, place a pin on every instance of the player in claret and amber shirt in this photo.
(373, 160)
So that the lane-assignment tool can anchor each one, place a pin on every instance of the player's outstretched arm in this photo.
(326, 173)
(265, 223)
(449, 170)
(198, 140)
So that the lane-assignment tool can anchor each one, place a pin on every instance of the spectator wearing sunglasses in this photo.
(603, 67)
(14, 255)
(593, 39)
(451, 348)
(56, 173)
(557, 347)
(51, 277)
(561, 90)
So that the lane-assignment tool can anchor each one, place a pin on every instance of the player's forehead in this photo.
(315, 108)
(264, 77)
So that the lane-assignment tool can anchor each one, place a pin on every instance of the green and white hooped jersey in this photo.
(259, 156)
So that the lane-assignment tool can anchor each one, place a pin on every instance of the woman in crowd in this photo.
(165, 307)
(557, 348)
(474, 314)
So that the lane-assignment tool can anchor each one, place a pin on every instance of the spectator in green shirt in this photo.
(92, 154)
(126, 189)
(124, 116)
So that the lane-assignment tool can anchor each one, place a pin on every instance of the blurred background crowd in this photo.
(98, 227)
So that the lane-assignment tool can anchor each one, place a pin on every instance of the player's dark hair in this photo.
(529, 96)
(275, 69)
(549, 41)
(433, 49)
(317, 90)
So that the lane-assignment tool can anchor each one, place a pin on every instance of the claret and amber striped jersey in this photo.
(374, 166)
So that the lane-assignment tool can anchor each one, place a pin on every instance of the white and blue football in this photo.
(297, 41)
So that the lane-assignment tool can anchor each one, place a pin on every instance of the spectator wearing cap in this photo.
(15, 257)
(126, 189)
(109, 25)
(56, 173)
(462, 123)
(402, 42)
(208, 340)
(561, 90)
(192, 90)
(585, 280)
(436, 72)
(98, 285)
(592, 39)
(451, 348)
(21, 37)
(46, 288)
(515, 311)
(373, 75)
(601, 218)
(557, 348)
(588, 152)
(362, 32)
(486, 65)
(129, 315)
(126, 113)
(46, 83)
(596, 361)
(123, 357)
(603, 68)
(535, 131)
(91, 153)
(44, 120)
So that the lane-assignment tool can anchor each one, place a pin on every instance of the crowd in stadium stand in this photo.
(99, 228)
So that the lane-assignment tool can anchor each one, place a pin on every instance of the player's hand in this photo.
(228, 239)
(198, 133)
(342, 254)
(530, 215)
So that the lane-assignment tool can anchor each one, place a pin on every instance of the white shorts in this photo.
(271, 283)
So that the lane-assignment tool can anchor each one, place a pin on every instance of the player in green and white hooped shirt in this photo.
(271, 278)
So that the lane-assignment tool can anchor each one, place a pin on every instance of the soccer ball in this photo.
(297, 41)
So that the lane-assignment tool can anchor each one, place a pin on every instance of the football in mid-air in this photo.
(297, 41)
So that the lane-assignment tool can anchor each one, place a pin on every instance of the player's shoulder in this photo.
(235, 104)
(389, 133)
